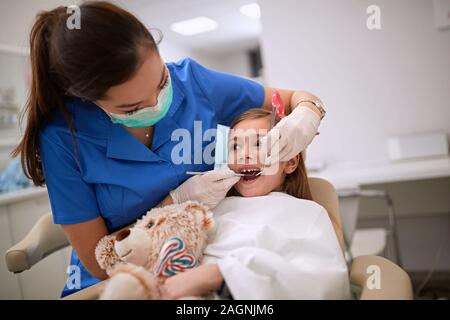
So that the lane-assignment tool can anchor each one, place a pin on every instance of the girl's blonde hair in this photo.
(296, 183)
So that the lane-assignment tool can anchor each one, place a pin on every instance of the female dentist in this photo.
(101, 111)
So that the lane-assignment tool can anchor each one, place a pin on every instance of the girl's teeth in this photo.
(250, 174)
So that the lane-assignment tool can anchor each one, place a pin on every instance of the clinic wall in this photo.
(237, 63)
(375, 84)
(17, 17)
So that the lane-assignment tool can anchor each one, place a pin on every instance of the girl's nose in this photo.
(247, 154)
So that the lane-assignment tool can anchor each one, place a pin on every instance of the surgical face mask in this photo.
(148, 116)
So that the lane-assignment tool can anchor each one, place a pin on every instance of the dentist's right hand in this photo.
(209, 188)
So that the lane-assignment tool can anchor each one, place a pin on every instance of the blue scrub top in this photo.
(115, 176)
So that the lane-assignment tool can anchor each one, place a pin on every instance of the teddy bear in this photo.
(165, 241)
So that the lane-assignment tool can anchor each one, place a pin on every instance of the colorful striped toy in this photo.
(173, 258)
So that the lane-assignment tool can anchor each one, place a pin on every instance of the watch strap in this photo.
(318, 104)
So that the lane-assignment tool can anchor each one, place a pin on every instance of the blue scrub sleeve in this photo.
(230, 95)
(72, 200)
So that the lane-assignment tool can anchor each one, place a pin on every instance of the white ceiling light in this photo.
(251, 10)
(194, 26)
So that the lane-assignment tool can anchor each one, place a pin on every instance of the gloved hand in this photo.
(290, 136)
(209, 188)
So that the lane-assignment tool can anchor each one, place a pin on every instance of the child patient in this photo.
(271, 241)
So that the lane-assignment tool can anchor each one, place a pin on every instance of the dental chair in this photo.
(394, 283)
(369, 241)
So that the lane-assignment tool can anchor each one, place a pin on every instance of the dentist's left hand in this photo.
(209, 188)
(290, 136)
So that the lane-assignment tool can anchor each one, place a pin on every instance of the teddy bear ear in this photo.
(105, 253)
(204, 215)
(208, 222)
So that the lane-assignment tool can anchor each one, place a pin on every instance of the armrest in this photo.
(43, 239)
(395, 282)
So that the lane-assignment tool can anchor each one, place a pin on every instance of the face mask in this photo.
(148, 116)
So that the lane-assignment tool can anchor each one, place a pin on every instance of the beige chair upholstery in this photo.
(395, 283)
(324, 194)
(45, 238)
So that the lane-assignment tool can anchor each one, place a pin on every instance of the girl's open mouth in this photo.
(250, 174)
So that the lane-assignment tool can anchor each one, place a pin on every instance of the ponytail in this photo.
(45, 94)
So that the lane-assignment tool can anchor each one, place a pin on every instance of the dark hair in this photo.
(296, 183)
(106, 51)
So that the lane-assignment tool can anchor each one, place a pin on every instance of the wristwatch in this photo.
(318, 104)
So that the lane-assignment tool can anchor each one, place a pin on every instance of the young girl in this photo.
(271, 240)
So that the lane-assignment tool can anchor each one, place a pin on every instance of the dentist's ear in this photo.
(292, 164)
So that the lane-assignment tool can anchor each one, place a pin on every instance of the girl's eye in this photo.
(234, 147)
(149, 225)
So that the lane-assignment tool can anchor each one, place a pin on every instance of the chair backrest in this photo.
(324, 193)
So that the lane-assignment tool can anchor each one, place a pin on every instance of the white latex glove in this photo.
(209, 188)
(290, 136)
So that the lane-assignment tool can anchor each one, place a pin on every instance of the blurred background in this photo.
(382, 69)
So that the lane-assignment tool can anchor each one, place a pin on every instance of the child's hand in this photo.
(196, 282)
